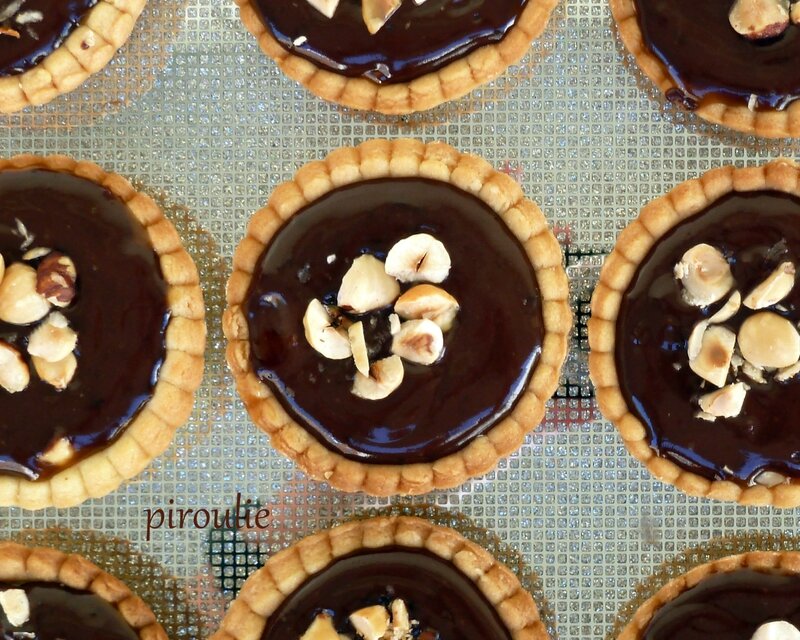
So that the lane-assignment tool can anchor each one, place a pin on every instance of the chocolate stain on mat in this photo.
(687, 560)
(130, 74)
(171, 603)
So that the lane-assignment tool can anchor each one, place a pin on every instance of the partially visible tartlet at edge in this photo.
(87, 47)
(455, 79)
(78, 476)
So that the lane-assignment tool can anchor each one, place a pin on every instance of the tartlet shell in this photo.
(104, 29)
(655, 220)
(402, 158)
(778, 561)
(430, 90)
(766, 123)
(19, 563)
(152, 429)
(268, 587)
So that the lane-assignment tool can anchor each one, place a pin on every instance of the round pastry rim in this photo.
(655, 219)
(151, 431)
(20, 563)
(267, 588)
(787, 562)
(766, 123)
(451, 82)
(403, 158)
(102, 31)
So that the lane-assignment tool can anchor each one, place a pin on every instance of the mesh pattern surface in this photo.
(589, 139)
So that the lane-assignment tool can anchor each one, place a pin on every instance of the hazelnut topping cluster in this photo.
(766, 347)
(14, 19)
(372, 623)
(427, 313)
(29, 290)
(376, 13)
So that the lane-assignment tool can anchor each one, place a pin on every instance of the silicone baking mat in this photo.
(587, 137)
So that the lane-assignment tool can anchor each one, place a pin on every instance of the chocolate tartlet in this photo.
(753, 596)
(48, 595)
(101, 343)
(395, 57)
(49, 47)
(383, 578)
(397, 317)
(734, 62)
(695, 347)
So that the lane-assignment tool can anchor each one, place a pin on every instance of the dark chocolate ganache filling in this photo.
(30, 30)
(58, 612)
(119, 314)
(489, 353)
(755, 232)
(708, 58)
(436, 593)
(728, 606)
(416, 40)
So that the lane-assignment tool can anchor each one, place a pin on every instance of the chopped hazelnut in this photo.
(759, 19)
(773, 289)
(14, 374)
(16, 606)
(371, 623)
(705, 275)
(728, 310)
(768, 340)
(329, 340)
(358, 345)
(366, 286)
(418, 258)
(401, 625)
(429, 302)
(384, 377)
(325, 7)
(376, 13)
(19, 301)
(53, 340)
(771, 479)
(726, 402)
(35, 253)
(419, 341)
(57, 374)
(56, 278)
(58, 453)
(713, 359)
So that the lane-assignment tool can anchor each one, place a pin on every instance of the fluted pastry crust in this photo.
(151, 431)
(402, 158)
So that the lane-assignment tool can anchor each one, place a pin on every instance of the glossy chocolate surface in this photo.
(706, 57)
(435, 591)
(119, 314)
(489, 353)
(416, 40)
(39, 38)
(61, 613)
(755, 232)
(728, 606)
